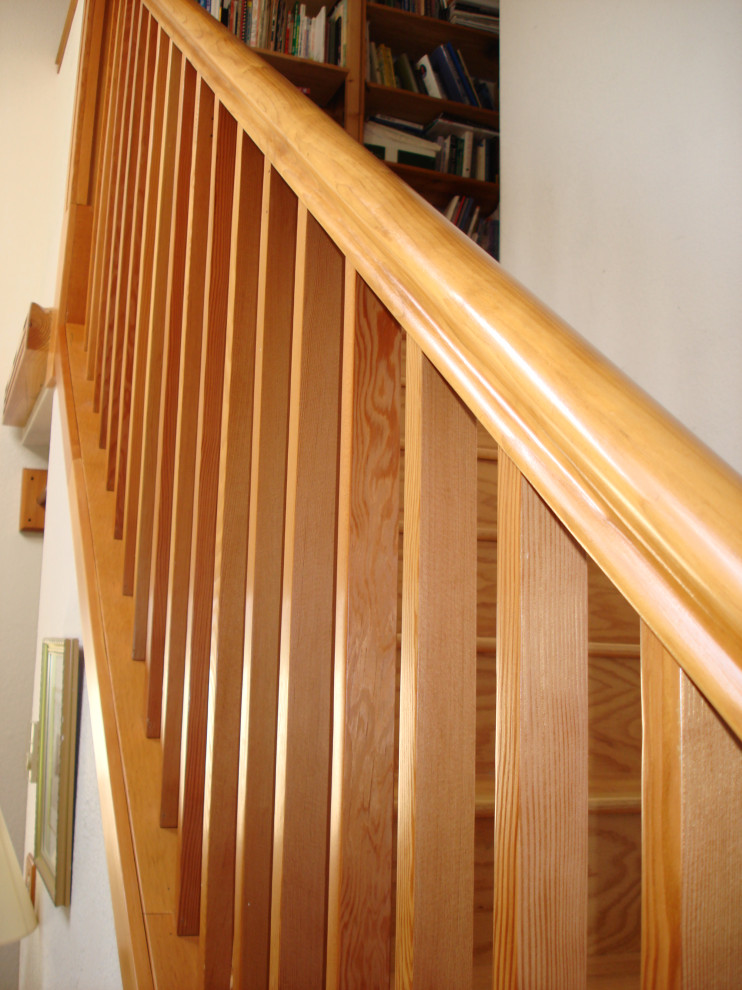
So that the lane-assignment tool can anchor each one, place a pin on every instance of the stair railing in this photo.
(266, 306)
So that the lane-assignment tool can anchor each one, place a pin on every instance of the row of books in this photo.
(285, 27)
(465, 214)
(445, 145)
(442, 74)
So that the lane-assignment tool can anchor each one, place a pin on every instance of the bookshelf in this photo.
(347, 93)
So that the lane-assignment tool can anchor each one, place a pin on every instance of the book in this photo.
(428, 79)
(453, 89)
(393, 145)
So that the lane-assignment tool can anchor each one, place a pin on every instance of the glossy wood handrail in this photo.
(655, 509)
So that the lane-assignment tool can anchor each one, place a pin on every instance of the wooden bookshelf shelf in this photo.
(439, 187)
(323, 80)
(423, 109)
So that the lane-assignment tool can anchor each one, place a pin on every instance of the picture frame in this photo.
(55, 790)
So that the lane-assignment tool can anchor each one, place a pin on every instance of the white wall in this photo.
(35, 121)
(621, 144)
(74, 948)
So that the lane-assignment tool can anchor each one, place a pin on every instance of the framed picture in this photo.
(55, 791)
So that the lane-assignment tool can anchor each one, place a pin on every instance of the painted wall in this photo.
(621, 146)
(74, 948)
(35, 122)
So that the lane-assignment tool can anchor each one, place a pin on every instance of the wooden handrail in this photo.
(656, 510)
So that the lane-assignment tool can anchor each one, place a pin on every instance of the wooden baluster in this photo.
(435, 831)
(691, 843)
(179, 559)
(298, 910)
(540, 925)
(131, 229)
(264, 576)
(163, 366)
(141, 265)
(103, 379)
(661, 817)
(128, 22)
(228, 618)
(200, 592)
(111, 57)
(158, 502)
(150, 321)
(360, 885)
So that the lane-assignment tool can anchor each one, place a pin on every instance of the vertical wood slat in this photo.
(541, 872)
(230, 564)
(264, 581)
(435, 832)
(298, 909)
(92, 114)
(187, 420)
(360, 880)
(104, 210)
(661, 817)
(116, 221)
(166, 325)
(691, 844)
(141, 267)
(200, 592)
(153, 265)
(155, 542)
(140, 100)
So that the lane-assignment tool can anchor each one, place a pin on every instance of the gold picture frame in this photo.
(55, 791)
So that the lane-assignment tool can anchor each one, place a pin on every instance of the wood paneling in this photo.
(360, 886)
(435, 881)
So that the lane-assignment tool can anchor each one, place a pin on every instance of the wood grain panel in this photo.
(179, 559)
(435, 881)
(298, 910)
(360, 895)
(614, 914)
(121, 398)
(264, 584)
(230, 562)
(661, 818)
(712, 846)
(118, 272)
(132, 406)
(201, 583)
(615, 747)
(541, 746)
